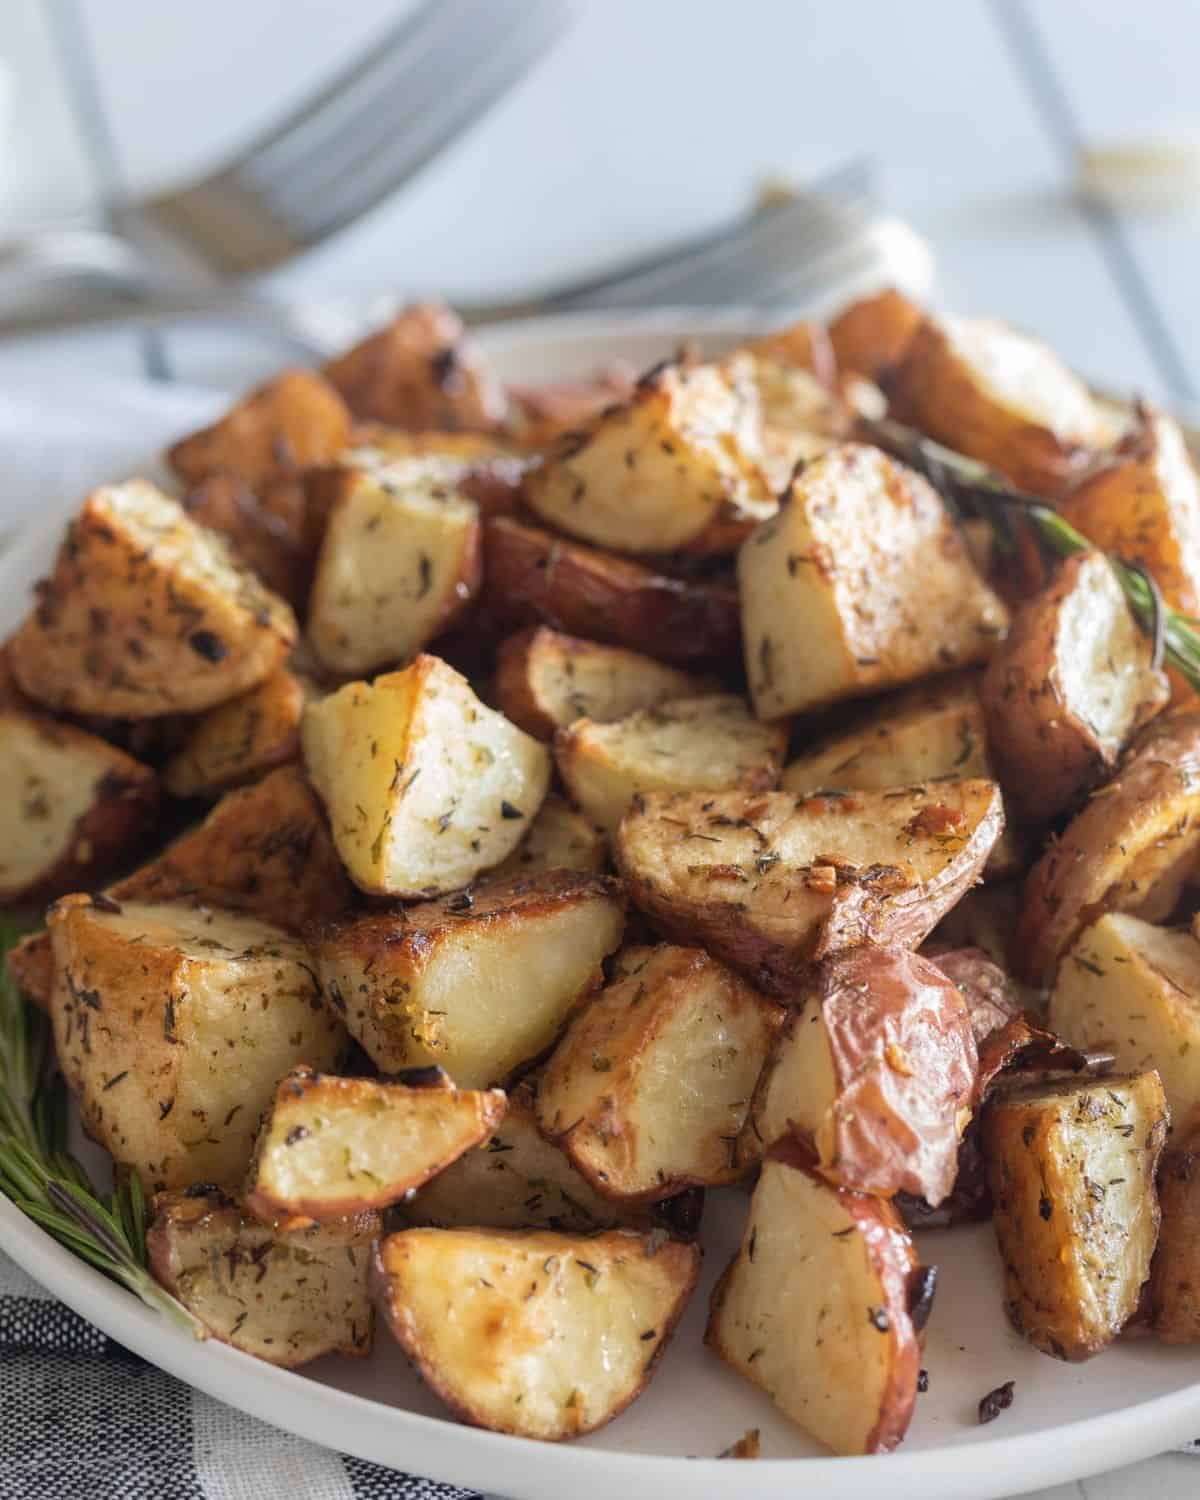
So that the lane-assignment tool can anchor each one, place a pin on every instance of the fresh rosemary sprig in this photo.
(40, 1175)
(975, 489)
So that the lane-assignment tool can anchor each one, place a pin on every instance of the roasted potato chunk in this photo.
(653, 475)
(870, 336)
(862, 582)
(797, 416)
(241, 740)
(1132, 989)
(538, 414)
(823, 1307)
(1068, 688)
(425, 786)
(1174, 1291)
(421, 373)
(985, 918)
(559, 838)
(146, 614)
(532, 575)
(286, 1294)
(770, 881)
(263, 849)
(399, 563)
(539, 1334)
(1145, 507)
(337, 1146)
(485, 469)
(173, 1025)
(1071, 1167)
(649, 1087)
(478, 983)
(1132, 848)
(517, 1180)
(294, 421)
(932, 730)
(702, 744)
(72, 804)
(546, 680)
(876, 1070)
(1000, 396)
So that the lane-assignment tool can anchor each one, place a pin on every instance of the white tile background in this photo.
(655, 118)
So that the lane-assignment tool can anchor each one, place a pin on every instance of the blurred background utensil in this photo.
(362, 136)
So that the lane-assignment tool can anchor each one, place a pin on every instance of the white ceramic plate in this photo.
(1066, 1421)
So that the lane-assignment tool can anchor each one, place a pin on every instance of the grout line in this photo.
(77, 59)
(1029, 52)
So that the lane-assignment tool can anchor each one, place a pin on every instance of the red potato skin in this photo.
(902, 1281)
(1060, 897)
(987, 990)
(531, 576)
(1174, 1288)
(1044, 753)
(870, 336)
(905, 1061)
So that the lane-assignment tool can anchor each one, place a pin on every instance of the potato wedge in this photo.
(1145, 507)
(711, 743)
(425, 786)
(770, 881)
(1068, 688)
(1133, 989)
(823, 1307)
(532, 575)
(479, 983)
(263, 849)
(294, 421)
(649, 1087)
(991, 997)
(173, 1025)
(876, 1070)
(539, 1334)
(146, 614)
(338, 1146)
(870, 335)
(399, 563)
(72, 804)
(241, 740)
(798, 416)
(932, 730)
(1071, 1167)
(422, 373)
(559, 838)
(981, 387)
(287, 1295)
(862, 582)
(1131, 848)
(1174, 1291)
(653, 475)
(267, 529)
(517, 1179)
(545, 680)
(485, 469)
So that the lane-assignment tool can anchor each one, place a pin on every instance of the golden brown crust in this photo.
(241, 740)
(1044, 742)
(869, 336)
(531, 575)
(1174, 1290)
(420, 373)
(294, 421)
(267, 529)
(1131, 848)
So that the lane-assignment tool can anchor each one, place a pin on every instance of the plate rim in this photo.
(443, 1449)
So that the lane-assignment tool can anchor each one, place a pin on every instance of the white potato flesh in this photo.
(539, 1334)
(425, 786)
(398, 563)
(174, 1024)
(651, 475)
(813, 1310)
(692, 744)
(1133, 989)
(650, 1086)
(861, 583)
(558, 839)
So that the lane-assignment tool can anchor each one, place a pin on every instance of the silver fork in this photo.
(366, 133)
(811, 241)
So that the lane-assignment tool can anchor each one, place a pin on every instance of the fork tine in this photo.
(387, 127)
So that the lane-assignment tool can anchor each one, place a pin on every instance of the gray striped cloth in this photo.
(81, 1418)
